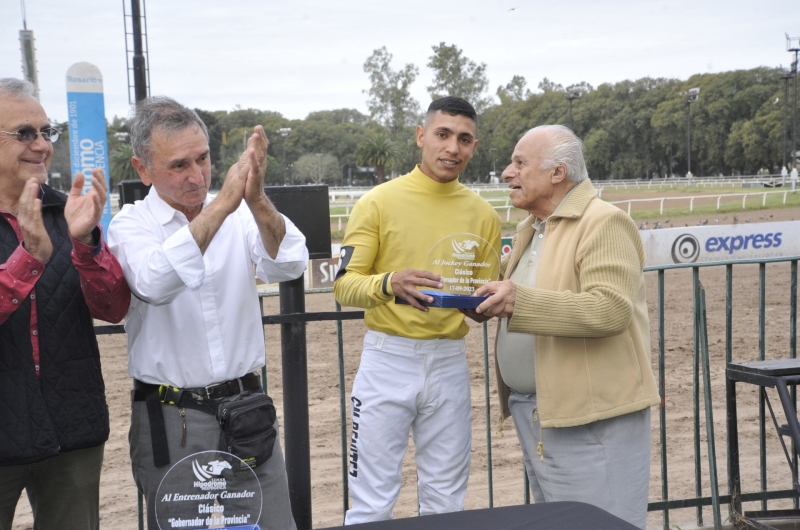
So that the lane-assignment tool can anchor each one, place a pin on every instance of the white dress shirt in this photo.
(194, 318)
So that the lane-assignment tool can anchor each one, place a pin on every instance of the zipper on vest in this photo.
(182, 412)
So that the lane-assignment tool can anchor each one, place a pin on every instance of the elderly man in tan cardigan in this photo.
(573, 344)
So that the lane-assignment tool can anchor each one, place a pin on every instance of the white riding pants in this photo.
(403, 384)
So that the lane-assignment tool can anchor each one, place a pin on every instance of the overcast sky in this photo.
(306, 55)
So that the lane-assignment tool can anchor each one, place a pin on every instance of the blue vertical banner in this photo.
(87, 127)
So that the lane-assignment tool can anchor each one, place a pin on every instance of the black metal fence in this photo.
(293, 319)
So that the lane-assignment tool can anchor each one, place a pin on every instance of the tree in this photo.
(230, 151)
(337, 116)
(548, 86)
(456, 75)
(121, 167)
(317, 169)
(514, 91)
(598, 153)
(214, 138)
(390, 102)
(378, 151)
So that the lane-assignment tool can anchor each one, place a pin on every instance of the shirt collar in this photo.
(566, 197)
(431, 186)
(537, 223)
(576, 201)
(163, 212)
(572, 205)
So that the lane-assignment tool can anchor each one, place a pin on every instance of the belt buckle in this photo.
(163, 394)
(210, 388)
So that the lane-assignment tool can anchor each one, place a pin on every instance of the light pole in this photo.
(284, 131)
(691, 97)
(785, 78)
(319, 168)
(793, 45)
(575, 94)
(493, 150)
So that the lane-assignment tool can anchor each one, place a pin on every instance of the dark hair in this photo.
(454, 106)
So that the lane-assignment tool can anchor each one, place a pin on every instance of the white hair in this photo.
(13, 88)
(565, 148)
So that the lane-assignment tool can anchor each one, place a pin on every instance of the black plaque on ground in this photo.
(307, 207)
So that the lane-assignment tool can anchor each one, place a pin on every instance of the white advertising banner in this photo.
(698, 244)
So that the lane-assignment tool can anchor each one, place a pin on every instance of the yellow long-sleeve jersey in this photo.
(393, 227)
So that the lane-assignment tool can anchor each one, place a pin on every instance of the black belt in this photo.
(203, 399)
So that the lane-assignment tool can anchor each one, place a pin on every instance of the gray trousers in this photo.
(202, 434)
(64, 490)
(605, 463)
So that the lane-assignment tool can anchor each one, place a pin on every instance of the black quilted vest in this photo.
(65, 408)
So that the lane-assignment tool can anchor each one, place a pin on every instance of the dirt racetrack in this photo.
(118, 493)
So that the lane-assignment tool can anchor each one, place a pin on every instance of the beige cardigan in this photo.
(588, 312)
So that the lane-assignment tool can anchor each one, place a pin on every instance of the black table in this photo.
(548, 516)
(779, 374)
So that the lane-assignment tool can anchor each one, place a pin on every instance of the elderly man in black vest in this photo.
(56, 274)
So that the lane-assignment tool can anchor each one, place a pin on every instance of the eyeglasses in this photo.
(27, 135)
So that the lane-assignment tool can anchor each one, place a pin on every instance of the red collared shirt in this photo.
(102, 283)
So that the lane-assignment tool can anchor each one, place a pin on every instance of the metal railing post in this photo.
(793, 355)
(295, 402)
(488, 412)
(696, 392)
(263, 368)
(729, 348)
(762, 432)
(343, 414)
(662, 409)
(709, 409)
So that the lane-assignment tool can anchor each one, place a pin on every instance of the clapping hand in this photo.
(256, 152)
(34, 235)
(245, 178)
(83, 212)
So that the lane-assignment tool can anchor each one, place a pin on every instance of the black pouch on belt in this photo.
(248, 428)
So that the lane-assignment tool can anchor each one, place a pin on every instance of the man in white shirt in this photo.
(195, 337)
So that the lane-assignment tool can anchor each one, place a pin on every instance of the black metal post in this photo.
(785, 101)
(688, 138)
(139, 70)
(571, 124)
(734, 477)
(295, 403)
(575, 94)
(794, 121)
(284, 160)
